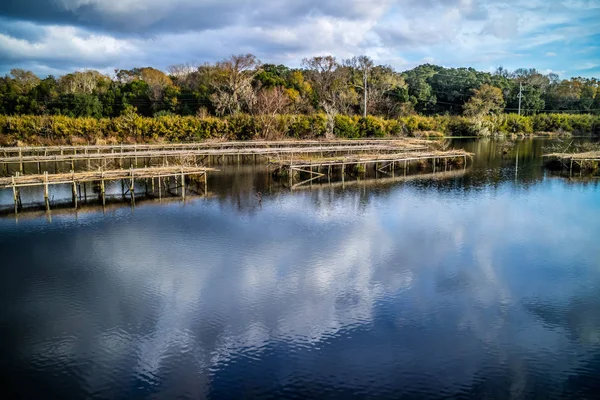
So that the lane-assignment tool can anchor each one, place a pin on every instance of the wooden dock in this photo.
(385, 163)
(197, 155)
(385, 180)
(587, 160)
(75, 179)
(123, 148)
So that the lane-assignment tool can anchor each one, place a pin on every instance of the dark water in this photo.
(481, 286)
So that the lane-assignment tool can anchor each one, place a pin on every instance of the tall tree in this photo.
(330, 86)
(360, 70)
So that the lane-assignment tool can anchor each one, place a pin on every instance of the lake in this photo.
(482, 285)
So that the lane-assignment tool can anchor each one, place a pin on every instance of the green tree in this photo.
(486, 100)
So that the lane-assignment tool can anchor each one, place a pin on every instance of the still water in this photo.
(478, 286)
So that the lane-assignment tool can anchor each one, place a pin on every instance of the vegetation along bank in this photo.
(242, 98)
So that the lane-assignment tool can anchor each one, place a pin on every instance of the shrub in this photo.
(345, 127)
(133, 127)
(370, 126)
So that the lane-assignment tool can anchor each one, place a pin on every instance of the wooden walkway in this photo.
(589, 159)
(387, 179)
(123, 148)
(195, 154)
(382, 162)
(74, 179)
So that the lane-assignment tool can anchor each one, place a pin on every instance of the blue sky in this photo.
(58, 36)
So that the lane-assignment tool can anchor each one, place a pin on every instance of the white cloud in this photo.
(550, 54)
(587, 65)
(126, 33)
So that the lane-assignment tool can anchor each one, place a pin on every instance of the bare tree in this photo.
(360, 68)
(231, 81)
(82, 82)
(268, 105)
(182, 70)
(185, 75)
(329, 82)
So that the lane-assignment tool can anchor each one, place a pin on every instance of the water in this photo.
(482, 286)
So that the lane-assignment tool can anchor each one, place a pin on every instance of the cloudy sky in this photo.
(56, 36)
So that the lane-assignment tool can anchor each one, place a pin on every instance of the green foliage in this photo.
(461, 126)
(514, 124)
(324, 85)
(346, 127)
(130, 126)
(485, 100)
(579, 124)
(370, 126)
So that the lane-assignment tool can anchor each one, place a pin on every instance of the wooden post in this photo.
(39, 167)
(571, 168)
(15, 195)
(131, 186)
(74, 193)
(205, 183)
(102, 188)
(46, 198)
(20, 161)
(159, 189)
(182, 184)
(434, 165)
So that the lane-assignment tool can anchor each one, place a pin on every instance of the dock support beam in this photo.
(15, 196)
(102, 190)
(182, 185)
(132, 188)
(46, 199)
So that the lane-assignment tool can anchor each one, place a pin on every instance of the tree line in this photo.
(243, 84)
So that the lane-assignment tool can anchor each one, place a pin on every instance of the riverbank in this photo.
(132, 128)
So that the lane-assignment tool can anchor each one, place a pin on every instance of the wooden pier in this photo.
(198, 155)
(385, 163)
(75, 179)
(123, 148)
(587, 160)
(385, 180)
(163, 163)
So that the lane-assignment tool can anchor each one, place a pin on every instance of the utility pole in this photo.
(520, 95)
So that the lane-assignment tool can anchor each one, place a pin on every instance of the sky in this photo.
(60, 36)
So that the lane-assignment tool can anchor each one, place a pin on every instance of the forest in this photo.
(339, 94)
